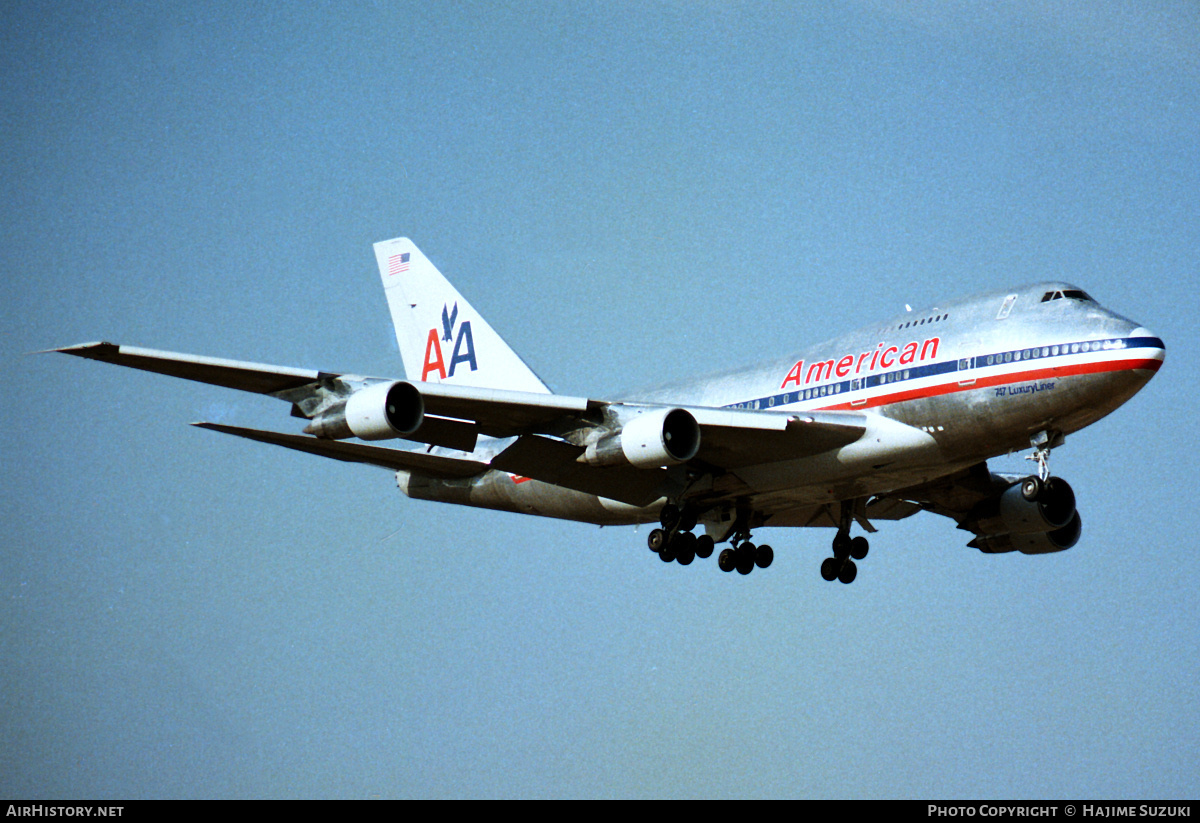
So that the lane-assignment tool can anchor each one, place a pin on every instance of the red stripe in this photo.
(1098, 367)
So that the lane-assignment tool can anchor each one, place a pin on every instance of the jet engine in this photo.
(379, 412)
(656, 437)
(1030, 516)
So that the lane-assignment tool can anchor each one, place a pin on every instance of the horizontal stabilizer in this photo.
(430, 465)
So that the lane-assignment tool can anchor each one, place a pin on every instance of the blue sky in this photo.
(631, 193)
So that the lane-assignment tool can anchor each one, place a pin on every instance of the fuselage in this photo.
(968, 380)
(980, 374)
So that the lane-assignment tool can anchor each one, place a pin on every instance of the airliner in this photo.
(875, 425)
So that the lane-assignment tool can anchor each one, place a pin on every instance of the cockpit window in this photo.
(1072, 294)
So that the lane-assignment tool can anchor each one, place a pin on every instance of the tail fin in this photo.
(442, 338)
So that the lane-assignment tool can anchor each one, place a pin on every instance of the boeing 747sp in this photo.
(875, 425)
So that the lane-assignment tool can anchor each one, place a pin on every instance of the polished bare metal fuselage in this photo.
(970, 379)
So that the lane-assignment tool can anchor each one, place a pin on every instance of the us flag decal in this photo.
(398, 263)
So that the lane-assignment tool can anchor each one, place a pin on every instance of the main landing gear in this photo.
(845, 551)
(675, 541)
(744, 555)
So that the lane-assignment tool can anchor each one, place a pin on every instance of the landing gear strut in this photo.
(1042, 443)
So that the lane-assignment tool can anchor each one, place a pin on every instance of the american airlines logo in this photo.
(463, 351)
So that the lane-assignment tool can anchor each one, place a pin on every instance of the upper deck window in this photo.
(935, 319)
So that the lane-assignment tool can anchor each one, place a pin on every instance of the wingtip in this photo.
(98, 348)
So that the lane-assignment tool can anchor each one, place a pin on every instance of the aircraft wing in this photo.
(430, 465)
(495, 412)
(730, 438)
(734, 438)
(548, 427)
(502, 413)
(556, 462)
(953, 495)
(235, 374)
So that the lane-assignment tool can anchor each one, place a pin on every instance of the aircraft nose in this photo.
(1147, 348)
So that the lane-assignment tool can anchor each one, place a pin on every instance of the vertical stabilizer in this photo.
(442, 338)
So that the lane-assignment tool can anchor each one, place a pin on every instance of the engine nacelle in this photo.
(379, 412)
(658, 437)
(1056, 540)
(1031, 516)
(1028, 507)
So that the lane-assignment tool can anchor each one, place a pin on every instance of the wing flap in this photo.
(431, 465)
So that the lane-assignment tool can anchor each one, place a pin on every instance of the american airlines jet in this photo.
(875, 425)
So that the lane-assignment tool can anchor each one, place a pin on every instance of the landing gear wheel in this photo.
(841, 545)
(687, 520)
(745, 558)
(829, 569)
(859, 547)
(685, 551)
(763, 556)
(667, 553)
(849, 572)
(657, 539)
(704, 546)
(1031, 488)
(727, 560)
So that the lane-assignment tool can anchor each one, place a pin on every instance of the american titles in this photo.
(883, 357)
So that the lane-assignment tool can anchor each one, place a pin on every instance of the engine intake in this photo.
(1027, 507)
